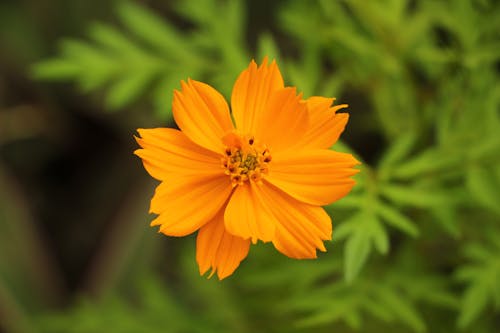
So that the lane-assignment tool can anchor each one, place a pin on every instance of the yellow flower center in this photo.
(244, 159)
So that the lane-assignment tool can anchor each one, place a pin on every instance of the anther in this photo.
(245, 162)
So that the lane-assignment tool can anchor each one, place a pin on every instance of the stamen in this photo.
(245, 159)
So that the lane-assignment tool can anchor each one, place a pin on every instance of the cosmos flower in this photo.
(262, 177)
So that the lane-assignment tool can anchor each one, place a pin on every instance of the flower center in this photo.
(244, 159)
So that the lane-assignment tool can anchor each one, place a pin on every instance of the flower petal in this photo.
(317, 177)
(187, 203)
(325, 125)
(218, 249)
(300, 228)
(284, 122)
(251, 93)
(168, 152)
(245, 215)
(202, 114)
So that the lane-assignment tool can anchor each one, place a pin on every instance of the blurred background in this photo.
(416, 244)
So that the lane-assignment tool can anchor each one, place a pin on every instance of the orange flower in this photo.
(265, 177)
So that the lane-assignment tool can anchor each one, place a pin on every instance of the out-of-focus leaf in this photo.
(155, 310)
(481, 275)
(153, 30)
(403, 310)
(380, 312)
(347, 227)
(57, 69)
(475, 300)
(484, 149)
(415, 197)
(432, 160)
(356, 253)
(128, 89)
(484, 186)
(153, 54)
(397, 151)
(379, 236)
(267, 47)
(447, 217)
(396, 219)
(113, 40)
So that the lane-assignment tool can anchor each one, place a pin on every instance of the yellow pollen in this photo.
(244, 159)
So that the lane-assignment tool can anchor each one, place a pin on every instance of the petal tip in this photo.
(140, 131)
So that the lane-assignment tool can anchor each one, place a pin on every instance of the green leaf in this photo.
(403, 310)
(473, 304)
(356, 253)
(96, 69)
(332, 85)
(477, 252)
(147, 49)
(447, 217)
(128, 89)
(267, 47)
(57, 69)
(482, 275)
(327, 315)
(353, 320)
(113, 40)
(152, 29)
(416, 197)
(380, 312)
(399, 221)
(347, 227)
(468, 273)
(378, 234)
(483, 185)
(431, 160)
(400, 149)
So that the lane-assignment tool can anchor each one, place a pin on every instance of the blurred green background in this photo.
(416, 245)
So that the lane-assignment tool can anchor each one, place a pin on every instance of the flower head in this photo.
(263, 177)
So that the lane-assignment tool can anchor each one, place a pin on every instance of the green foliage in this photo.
(317, 294)
(421, 75)
(154, 309)
(148, 56)
(482, 276)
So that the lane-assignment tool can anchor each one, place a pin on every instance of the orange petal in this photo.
(187, 203)
(202, 114)
(218, 249)
(251, 93)
(284, 122)
(168, 152)
(325, 125)
(246, 216)
(300, 228)
(317, 177)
